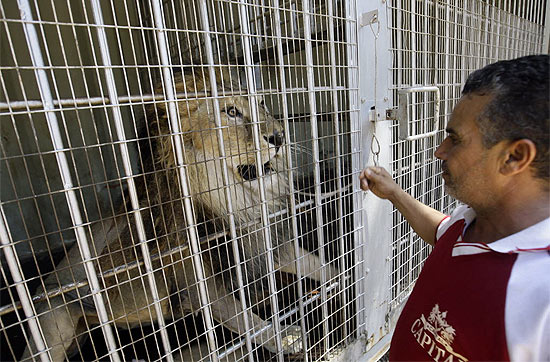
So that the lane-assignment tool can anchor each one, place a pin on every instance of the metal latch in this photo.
(402, 112)
(368, 18)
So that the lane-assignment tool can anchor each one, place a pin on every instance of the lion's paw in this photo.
(292, 339)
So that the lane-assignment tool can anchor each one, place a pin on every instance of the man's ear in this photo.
(518, 156)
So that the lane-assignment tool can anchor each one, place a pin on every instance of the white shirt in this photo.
(527, 306)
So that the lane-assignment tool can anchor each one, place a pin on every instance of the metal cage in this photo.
(434, 46)
(176, 180)
(179, 179)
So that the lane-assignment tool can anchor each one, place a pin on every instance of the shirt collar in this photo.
(535, 238)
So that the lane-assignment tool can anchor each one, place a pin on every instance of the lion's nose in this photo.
(277, 138)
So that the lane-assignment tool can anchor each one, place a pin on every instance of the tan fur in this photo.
(116, 240)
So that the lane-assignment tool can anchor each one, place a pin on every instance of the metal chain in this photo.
(375, 150)
(375, 144)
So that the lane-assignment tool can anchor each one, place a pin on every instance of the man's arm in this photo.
(422, 218)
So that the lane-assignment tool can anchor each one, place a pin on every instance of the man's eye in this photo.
(455, 140)
(233, 112)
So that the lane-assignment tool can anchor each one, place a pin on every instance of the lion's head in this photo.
(203, 149)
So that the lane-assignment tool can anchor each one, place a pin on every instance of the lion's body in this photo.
(161, 196)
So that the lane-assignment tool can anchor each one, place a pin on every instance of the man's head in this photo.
(520, 104)
(499, 128)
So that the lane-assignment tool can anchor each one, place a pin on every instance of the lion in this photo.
(65, 318)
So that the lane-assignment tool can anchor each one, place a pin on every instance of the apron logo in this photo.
(436, 336)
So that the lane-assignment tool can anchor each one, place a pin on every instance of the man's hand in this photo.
(380, 182)
(423, 219)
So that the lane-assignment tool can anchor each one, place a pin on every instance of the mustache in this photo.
(444, 167)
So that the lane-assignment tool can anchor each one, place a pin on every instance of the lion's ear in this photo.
(227, 77)
(192, 81)
(230, 78)
(185, 83)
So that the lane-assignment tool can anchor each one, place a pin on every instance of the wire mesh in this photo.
(439, 43)
(176, 180)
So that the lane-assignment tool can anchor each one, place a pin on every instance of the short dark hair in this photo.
(520, 105)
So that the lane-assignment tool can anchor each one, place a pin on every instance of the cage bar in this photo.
(22, 289)
(339, 187)
(175, 129)
(317, 174)
(256, 136)
(113, 96)
(233, 233)
(47, 99)
(293, 206)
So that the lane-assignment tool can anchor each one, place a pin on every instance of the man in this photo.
(484, 291)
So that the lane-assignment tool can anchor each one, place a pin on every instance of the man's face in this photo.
(469, 169)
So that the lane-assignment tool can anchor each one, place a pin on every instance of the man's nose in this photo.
(440, 151)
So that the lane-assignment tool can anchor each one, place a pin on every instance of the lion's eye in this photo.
(233, 112)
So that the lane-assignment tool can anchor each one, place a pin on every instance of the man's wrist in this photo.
(397, 195)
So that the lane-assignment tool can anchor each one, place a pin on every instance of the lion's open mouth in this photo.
(250, 172)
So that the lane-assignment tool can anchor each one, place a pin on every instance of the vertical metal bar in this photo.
(21, 286)
(465, 61)
(177, 142)
(486, 42)
(494, 33)
(317, 173)
(412, 156)
(540, 12)
(521, 28)
(249, 67)
(516, 26)
(507, 21)
(47, 99)
(284, 106)
(450, 89)
(445, 89)
(425, 106)
(529, 26)
(424, 142)
(479, 15)
(521, 25)
(221, 148)
(74, 209)
(350, 13)
(119, 125)
(499, 34)
(546, 39)
(336, 126)
(536, 26)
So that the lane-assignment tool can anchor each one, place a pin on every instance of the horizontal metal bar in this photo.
(419, 89)
(422, 135)
(152, 27)
(93, 101)
(125, 267)
(107, 273)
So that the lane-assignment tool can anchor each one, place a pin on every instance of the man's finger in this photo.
(364, 184)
